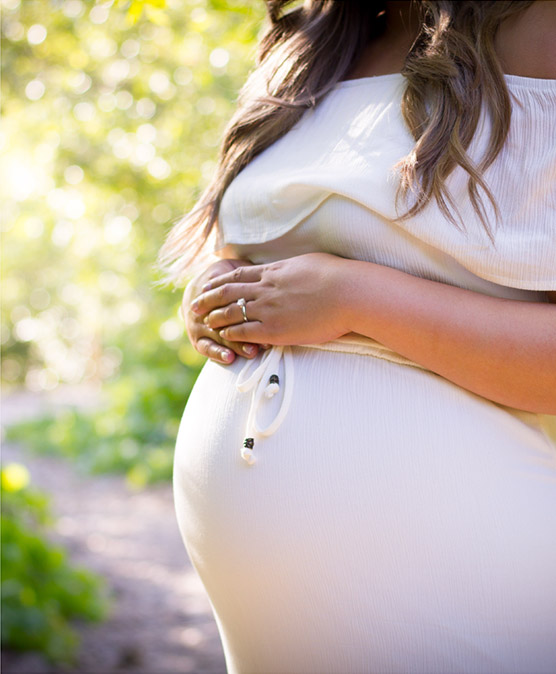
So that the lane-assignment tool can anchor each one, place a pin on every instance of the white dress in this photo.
(392, 522)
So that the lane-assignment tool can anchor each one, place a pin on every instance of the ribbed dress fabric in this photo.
(394, 523)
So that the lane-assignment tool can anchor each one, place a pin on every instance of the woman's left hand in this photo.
(298, 300)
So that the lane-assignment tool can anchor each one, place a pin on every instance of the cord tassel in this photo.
(256, 381)
(273, 386)
(247, 451)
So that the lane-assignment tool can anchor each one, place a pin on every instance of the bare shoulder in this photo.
(526, 43)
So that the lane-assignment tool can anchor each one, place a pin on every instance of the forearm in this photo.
(503, 350)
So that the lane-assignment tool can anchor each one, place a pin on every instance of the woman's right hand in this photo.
(204, 339)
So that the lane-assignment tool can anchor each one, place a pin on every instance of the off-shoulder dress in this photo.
(392, 522)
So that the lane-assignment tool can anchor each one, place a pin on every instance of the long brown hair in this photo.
(450, 70)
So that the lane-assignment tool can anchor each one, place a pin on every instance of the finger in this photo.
(230, 315)
(198, 330)
(238, 275)
(222, 296)
(245, 332)
(241, 349)
(211, 349)
(244, 350)
(247, 350)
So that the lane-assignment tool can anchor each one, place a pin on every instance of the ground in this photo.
(161, 622)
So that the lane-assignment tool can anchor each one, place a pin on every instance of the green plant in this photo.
(113, 114)
(135, 429)
(42, 592)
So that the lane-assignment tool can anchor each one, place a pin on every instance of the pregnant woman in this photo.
(370, 489)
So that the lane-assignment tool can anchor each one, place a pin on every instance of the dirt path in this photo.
(161, 621)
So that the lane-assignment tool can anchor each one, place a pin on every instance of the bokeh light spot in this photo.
(171, 330)
(130, 48)
(39, 298)
(34, 90)
(15, 476)
(159, 168)
(62, 233)
(116, 229)
(106, 102)
(11, 4)
(26, 329)
(84, 111)
(183, 75)
(159, 82)
(73, 174)
(124, 100)
(36, 34)
(146, 133)
(99, 13)
(80, 82)
(115, 72)
(146, 108)
(73, 8)
(13, 30)
(199, 16)
(219, 57)
(206, 105)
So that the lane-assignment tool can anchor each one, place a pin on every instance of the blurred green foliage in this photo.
(41, 591)
(134, 430)
(110, 131)
(112, 117)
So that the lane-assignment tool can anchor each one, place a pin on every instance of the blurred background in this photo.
(112, 116)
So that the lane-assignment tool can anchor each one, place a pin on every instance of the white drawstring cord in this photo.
(265, 382)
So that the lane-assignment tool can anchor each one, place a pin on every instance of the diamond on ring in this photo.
(241, 302)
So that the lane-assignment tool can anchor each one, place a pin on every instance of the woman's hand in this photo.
(292, 301)
(204, 339)
(494, 347)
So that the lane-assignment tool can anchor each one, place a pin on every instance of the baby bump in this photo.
(388, 497)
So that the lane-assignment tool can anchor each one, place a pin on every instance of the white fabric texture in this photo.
(347, 147)
(392, 522)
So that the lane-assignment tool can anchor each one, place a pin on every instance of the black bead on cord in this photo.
(274, 379)
(249, 443)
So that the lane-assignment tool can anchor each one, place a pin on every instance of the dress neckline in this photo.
(363, 80)
(536, 83)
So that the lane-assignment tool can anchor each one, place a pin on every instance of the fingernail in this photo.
(194, 305)
(249, 349)
(206, 287)
(226, 356)
(206, 320)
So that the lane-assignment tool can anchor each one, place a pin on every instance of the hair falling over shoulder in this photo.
(452, 73)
